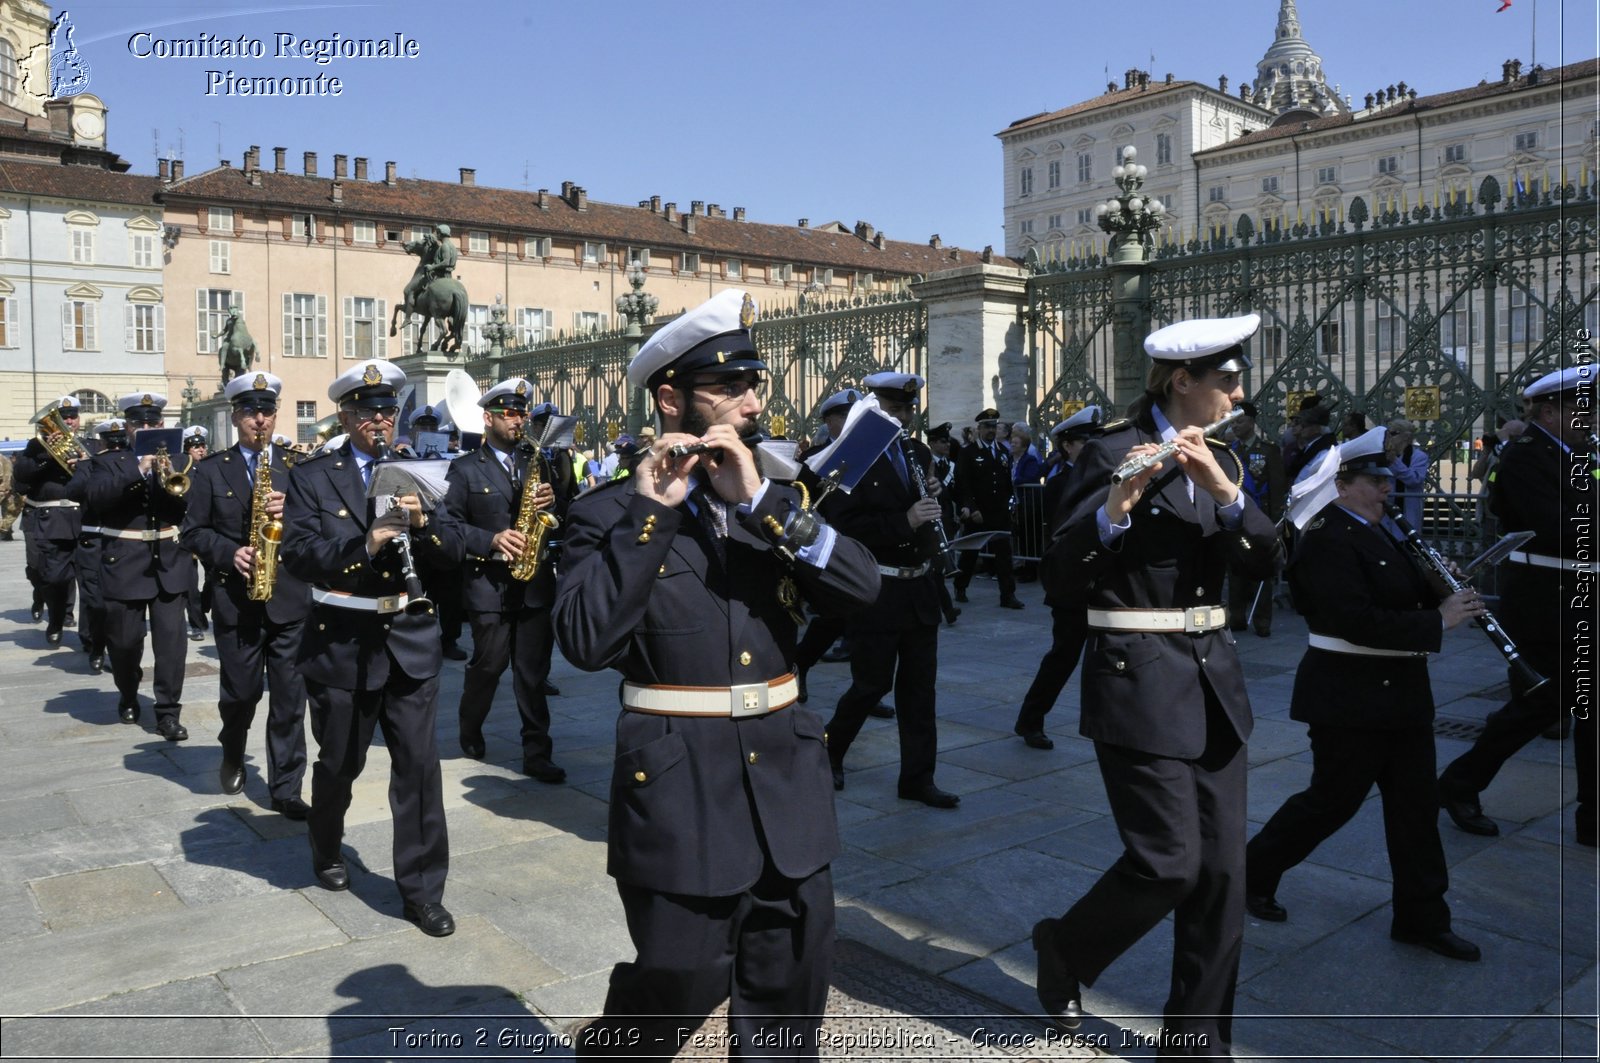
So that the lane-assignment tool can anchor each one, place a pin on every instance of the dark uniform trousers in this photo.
(91, 600)
(365, 670)
(821, 633)
(526, 641)
(258, 643)
(983, 483)
(50, 530)
(894, 644)
(1169, 716)
(125, 634)
(721, 829)
(1068, 632)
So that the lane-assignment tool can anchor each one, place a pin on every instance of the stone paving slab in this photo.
(106, 895)
(197, 1013)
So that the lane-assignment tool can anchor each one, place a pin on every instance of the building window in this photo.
(211, 312)
(141, 249)
(365, 232)
(8, 73)
(1163, 149)
(1526, 324)
(689, 262)
(1025, 227)
(780, 274)
(1525, 142)
(733, 269)
(3, 228)
(1085, 167)
(9, 331)
(305, 422)
(866, 281)
(80, 325)
(477, 318)
(824, 277)
(1055, 221)
(478, 242)
(82, 245)
(145, 327)
(300, 227)
(536, 247)
(93, 404)
(220, 257)
(1269, 184)
(639, 256)
(1327, 175)
(1389, 164)
(220, 220)
(591, 252)
(1455, 153)
(1216, 194)
(418, 234)
(1053, 174)
(534, 325)
(587, 321)
(305, 325)
(1085, 215)
(1391, 328)
(1027, 181)
(365, 335)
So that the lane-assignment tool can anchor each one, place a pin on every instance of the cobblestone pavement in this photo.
(144, 914)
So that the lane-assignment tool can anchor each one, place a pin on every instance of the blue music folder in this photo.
(867, 433)
(149, 440)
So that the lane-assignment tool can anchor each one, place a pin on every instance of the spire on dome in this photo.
(1289, 77)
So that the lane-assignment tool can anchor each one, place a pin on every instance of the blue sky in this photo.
(869, 109)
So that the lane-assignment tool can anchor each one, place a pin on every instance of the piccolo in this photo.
(1136, 465)
(683, 450)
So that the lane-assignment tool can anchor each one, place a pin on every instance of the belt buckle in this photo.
(1197, 620)
(389, 603)
(748, 699)
(149, 536)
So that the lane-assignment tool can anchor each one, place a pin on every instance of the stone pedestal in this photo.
(215, 415)
(425, 373)
(977, 345)
(1129, 327)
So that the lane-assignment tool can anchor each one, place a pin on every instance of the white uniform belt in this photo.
(54, 503)
(905, 573)
(748, 699)
(1328, 642)
(148, 535)
(1195, 620)
(1522, 557)
(89, 529)
(390, 603)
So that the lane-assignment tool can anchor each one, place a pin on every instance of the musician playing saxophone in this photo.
(502, 495)
(256, 639)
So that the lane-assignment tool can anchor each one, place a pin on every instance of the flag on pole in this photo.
(1503, 5)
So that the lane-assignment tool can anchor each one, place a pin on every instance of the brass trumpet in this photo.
(172, 481)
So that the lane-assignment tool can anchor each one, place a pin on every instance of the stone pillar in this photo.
(1129, 327)
(977, 344)
(425, 372)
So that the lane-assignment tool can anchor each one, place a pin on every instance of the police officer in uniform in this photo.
(110, 434)
(983, 500)
(256, 640)
(1545, 484)
(144, 572)
(1068, 628)
(1266, 483)
(367, 661)
(822, 631)
(1363, 689)
(197, 603)
(510, 617)
(1163, 693)
(50, 525)
(895, 643)
(686, 577)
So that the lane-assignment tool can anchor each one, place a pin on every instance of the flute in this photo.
(683, 450)
(1136, 465)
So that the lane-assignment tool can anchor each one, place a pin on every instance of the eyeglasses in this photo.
(518, 414)
(729, 389)
(376, 413)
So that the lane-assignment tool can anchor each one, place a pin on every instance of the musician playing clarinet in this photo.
(1163, 693)
(1362, 688)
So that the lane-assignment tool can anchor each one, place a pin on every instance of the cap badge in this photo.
(911, 386)
(722, 356)
(371, 376)
(747, 312)
(260, 382)
(146, 400)
(522, 387)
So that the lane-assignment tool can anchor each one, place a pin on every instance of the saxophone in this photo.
(533, 523)
(265, 535)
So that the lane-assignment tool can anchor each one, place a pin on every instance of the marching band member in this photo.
(367, 660)
(110, 434)
(1163, 693)
(256, 639)
(197, 603)
(984, 494)
(685, 577)
(50, 524)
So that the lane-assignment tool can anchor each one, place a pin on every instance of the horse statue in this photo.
(441, 297)
(236, 349)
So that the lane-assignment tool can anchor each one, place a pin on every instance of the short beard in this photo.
(693, 422)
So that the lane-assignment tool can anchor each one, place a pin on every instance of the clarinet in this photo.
(1430, 560)
(417, 601)
(919, 476)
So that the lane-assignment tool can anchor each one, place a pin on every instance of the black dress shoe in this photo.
(1058, 990)
(196, 635)
(38, 612)
(800, 682)
(169, 728)
(455, 653)
(837, 652)
(1468, 815)
(128, 713)
(231, 776)
(432, 919)
(473, 747)
(930, 795)
(1265, 907)
(291, 808)
(331, 874)
(1263, 633)
(961, 595)
(838, 777)
(53, 637)
(1036, 740)
(549, 689)
(544, 771)
(1010, 603)
(1446, 943)
(97, 663)
(881, 711)
(950, 617)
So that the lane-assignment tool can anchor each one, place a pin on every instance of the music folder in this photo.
(147, 441)
(867, 433)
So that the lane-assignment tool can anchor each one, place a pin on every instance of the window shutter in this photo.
(130, 342)
(161, 327)
(91, 340)
(8, 328)
(349, 327)
(288, 325)
(66, 326)
(549, 323)
(322, 326)
(202, 332)
(380, 328)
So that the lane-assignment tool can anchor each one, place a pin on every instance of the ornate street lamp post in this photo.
(1130, 217)
(191, 395)
(497, 332)
(636, 308)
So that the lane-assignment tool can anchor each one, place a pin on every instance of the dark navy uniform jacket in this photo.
(1143, 690)
(1356, 583)
(218, 523)
(36, 476)
(983, 483)
(1539, 487)
(327, 515)
(696, 801)
(483, 501)
(126, 500)
(874, 514)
